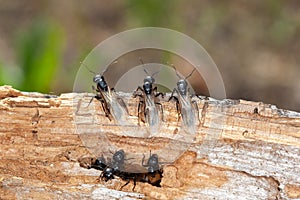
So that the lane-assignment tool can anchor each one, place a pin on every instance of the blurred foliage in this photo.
(149, 12)
(39, 53)
(255, 44)
(10, 75)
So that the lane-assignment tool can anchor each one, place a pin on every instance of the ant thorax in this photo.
(147, 88)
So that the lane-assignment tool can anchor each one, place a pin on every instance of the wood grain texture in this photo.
(241, 149)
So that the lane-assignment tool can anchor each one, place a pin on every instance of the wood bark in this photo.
(240, 150)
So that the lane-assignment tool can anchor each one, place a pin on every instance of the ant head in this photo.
(101, 83)
(182, 86)
(153, 160)
(149, 79)
(98, 78)
(108, 174)
(182, 83)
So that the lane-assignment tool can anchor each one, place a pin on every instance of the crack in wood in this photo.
(263, 167)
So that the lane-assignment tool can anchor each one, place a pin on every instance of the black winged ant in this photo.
(117, 167)
(147, 108)
(109, 168)
(114, 167)
(154, 170)
(184, 104)
(152, 163)
(153, 175)
(114, 107)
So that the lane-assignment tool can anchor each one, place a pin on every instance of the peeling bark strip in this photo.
(242, 150)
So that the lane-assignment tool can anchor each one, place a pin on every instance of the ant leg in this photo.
(177, 106)
(134, 183)
(177, 102)
(147, 116)
(172, 94)
(90, 101)
(196, 106)
(94, 89)
(159, 94)
(140, 106)
(96, 96)
(99, 178)
(104, 106)
(162, 111)
(135, 93)
(125, 184)
(122, 103)
(101, 175)
(106, 110)
(141, 116)
(157, 102)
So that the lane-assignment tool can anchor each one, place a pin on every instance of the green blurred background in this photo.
(255, 44)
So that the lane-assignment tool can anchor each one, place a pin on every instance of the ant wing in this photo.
(190, 93)
(135, 168)
(122, 103)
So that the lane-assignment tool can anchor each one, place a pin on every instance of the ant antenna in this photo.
(179, 75)
(190, 74)
(176, 71)
(93, 71)
(147, 71)
(87, 68)
(156, 72)
(143, 66)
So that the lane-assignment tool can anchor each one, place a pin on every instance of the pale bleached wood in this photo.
(242, 150)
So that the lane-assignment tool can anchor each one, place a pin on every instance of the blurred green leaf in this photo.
(10, 75)
(282, 31)
(39, 51)
(150, 12)
(1, 74)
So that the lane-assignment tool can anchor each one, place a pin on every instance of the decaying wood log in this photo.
(241, 150)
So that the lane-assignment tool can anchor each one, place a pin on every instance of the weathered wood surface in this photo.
(242, 150)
